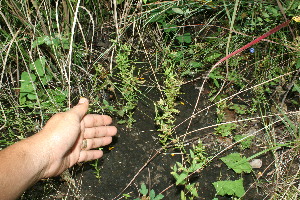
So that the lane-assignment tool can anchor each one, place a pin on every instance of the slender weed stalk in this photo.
(129, 86)
(165, 108)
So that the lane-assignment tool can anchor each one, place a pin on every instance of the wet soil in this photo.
(132, 159)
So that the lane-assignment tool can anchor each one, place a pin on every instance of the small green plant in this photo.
(226, 129)
(97, 171)
(148, 195)
(196, 159)
(128, 86)
(232, 188)
(165, 108)
(245, 143)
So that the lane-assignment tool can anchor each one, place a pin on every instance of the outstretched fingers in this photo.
(98, 132)
(94, 120)
(90, 155)
(87, 154)
(96, 143)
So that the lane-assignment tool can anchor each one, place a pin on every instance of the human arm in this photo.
(57, 147)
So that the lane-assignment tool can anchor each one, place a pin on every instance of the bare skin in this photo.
(54, 149)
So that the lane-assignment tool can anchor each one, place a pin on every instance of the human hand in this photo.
(69, 137)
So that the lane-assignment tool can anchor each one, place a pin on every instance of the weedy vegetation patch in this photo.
(205, 94)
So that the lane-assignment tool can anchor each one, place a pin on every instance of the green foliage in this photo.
(165, 108)
(225, 129)
(129, 85)
(185, 38)
(36, 44)
(246, 141)
(196, 159)
(54, 42)
(151, 196)
(232, 188)
(239, 109)
(237, 163)
(14, 125)
(33, 91)
(97, 171)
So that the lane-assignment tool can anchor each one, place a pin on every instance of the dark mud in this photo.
(129, 160)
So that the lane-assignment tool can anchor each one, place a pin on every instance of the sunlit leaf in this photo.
(235, 188)
(237, 163)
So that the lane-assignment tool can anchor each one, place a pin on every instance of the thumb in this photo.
(81, 108)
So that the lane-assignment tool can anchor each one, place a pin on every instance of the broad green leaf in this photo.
(152, 194)
(45, 79)
(27, 81)
(27, 77)
(22, 99)
(144, 190)
(58, 95)
(237, 163)
(178, 11)
(182, 195)
(31, 96)
(246, 143)
(296, 88)
(41, 40)
(159, 197)
(187, 38)
(235, 188)
(181, 178)
(39, 66)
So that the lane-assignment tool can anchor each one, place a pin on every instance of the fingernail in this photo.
(82, 100)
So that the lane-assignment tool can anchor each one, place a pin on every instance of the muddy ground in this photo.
(125, 162)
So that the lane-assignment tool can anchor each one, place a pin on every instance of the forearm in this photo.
(21, 166)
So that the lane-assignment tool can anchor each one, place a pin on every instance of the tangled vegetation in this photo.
(115, 52)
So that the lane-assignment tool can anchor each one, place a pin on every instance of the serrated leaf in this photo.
(152, 194)
(143, 190)
(235, 188)
(237, 163)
